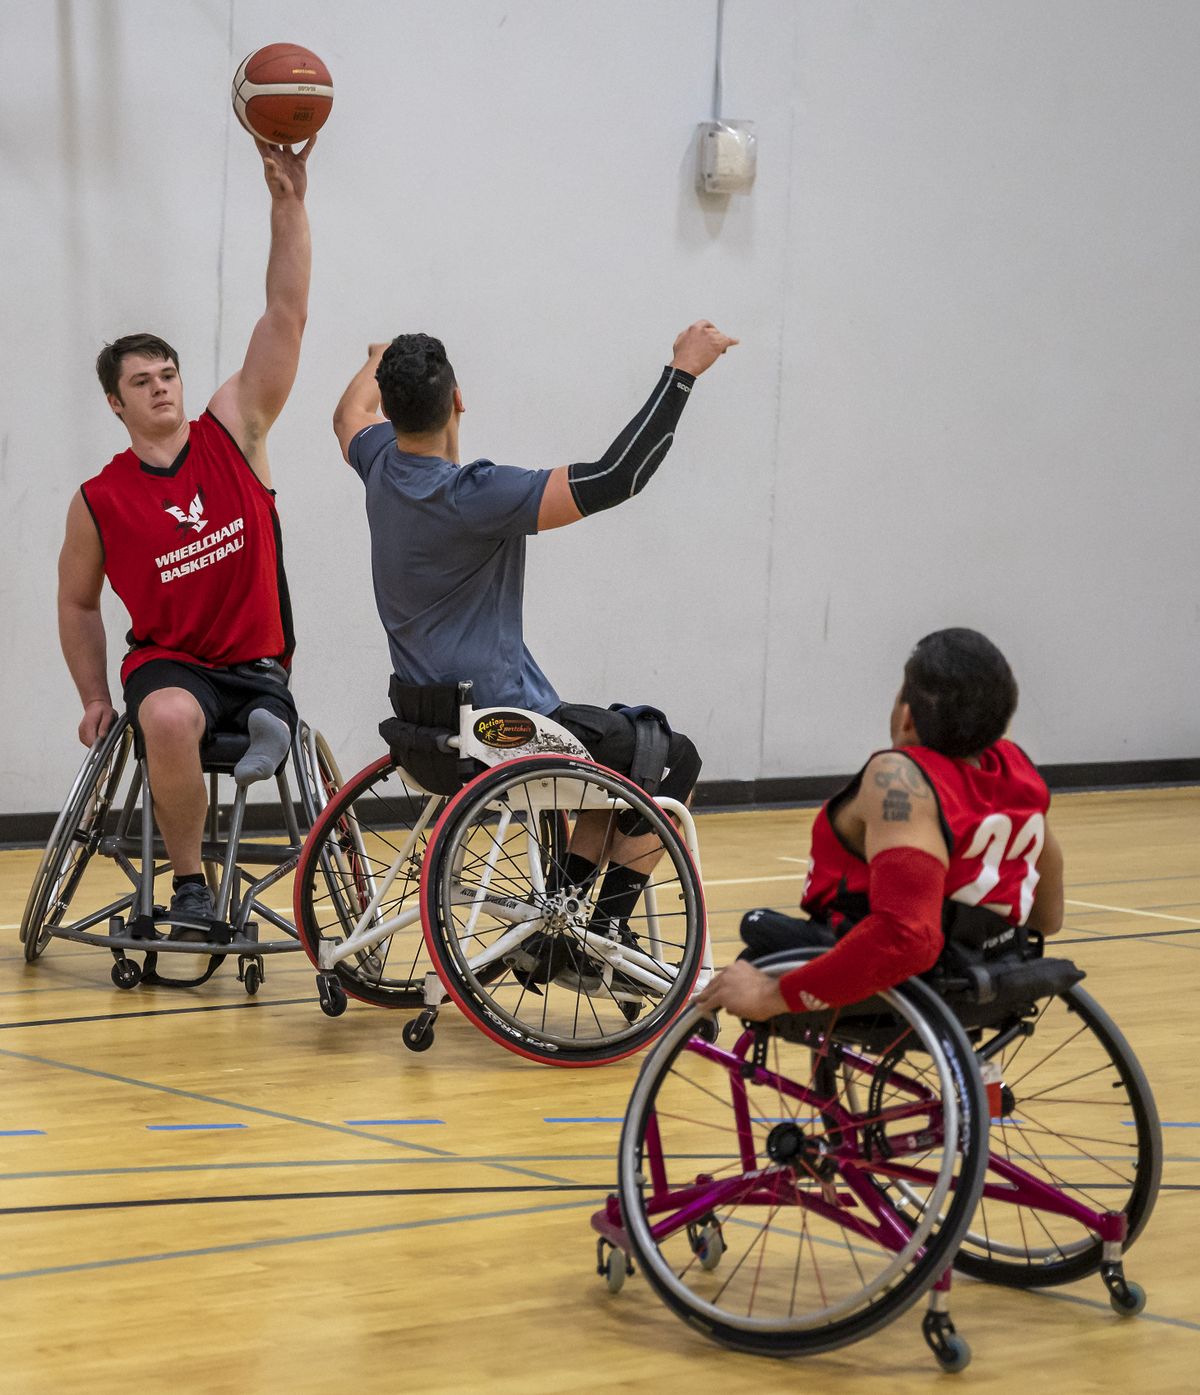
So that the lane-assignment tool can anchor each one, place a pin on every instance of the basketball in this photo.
(282, 94)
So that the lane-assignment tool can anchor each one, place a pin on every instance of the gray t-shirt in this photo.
(448, 561)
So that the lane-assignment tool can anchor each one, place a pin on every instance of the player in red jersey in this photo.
(183, 524)
(952, 813)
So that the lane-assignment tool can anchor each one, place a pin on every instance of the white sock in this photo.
(270, 741)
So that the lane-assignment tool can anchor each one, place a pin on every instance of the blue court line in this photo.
(91, 1265)
(187, 1128)
(1167, 1124)
(22, 1133)
(213, 1100)
(393, 1121)
(269, 1113)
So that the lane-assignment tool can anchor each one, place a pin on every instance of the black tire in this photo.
(479, 874)
(1078, 1142)
(353, 843)
(802, 1184)
(74, 838)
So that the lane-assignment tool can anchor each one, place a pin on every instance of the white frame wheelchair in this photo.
(405, 896)
(805, 1186)
(106, 815)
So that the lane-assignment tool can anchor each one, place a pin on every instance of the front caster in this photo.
(252, 976)
(126, 974)
(614, 1267)
(417, 1035)
(1127, 1299)
(331, 995)
(951, 1350)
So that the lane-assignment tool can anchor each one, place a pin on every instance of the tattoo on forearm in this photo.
(897, 807)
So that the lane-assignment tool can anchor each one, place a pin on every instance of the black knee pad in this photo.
(684, 763)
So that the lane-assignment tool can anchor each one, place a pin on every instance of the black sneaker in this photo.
(530, 960)
(193, 911)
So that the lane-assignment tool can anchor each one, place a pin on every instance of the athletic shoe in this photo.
(192, 910)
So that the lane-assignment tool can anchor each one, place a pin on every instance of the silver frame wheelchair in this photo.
(405, 896)
(106, 815)
(804, 1187)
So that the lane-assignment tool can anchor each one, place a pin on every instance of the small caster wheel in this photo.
(708, 1244)
(126, 974)
(616, 1268)
(1130, 1302)
(417, 1035)
(708, 1029)
(331, 995)
(252, 977)
(955, 1354)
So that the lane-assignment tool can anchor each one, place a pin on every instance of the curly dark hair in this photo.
(961, 691)
(108, 362)
(416, 384)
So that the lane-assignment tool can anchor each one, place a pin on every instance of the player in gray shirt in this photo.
(448, 557)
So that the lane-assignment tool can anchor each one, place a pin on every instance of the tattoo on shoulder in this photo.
(900, 774)
(897, 806)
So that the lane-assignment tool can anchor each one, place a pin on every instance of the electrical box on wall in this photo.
(728, 156)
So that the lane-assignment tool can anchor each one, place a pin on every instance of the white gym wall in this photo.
(967, 284)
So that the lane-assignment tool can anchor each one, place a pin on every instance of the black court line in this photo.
(141, 1203)
(1102, 936)
(157, 1012)
(595, 1188)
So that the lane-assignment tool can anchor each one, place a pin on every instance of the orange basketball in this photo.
(282, 93)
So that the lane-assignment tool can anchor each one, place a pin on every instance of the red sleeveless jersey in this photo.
(993, 818)
(195, 553)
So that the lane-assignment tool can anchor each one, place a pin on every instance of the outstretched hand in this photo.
(285, 169)
(744, 991)
(699, 347)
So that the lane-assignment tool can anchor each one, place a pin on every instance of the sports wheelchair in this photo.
(801, 1188)
(106, 819)
(439, 868)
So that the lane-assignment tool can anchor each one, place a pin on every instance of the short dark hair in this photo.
(108, 362)
(416, 383)
(961, 691)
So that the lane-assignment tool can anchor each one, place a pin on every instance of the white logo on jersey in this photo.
(192, 518)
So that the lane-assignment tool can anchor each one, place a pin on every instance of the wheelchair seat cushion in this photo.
(222, 750)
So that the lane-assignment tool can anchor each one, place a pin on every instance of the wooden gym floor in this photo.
(204, 1193)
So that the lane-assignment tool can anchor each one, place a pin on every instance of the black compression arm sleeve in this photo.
(637, 452)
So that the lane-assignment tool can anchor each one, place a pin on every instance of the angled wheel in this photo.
(534, 962)
(1078, 1117)
(803, 1145)
(75, 837)
(318, 775)
(359, 873)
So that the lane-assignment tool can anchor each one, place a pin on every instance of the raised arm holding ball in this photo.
(183, 524)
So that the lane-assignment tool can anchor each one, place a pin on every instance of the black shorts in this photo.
(767, 932)
(226, 696)
(610, 737)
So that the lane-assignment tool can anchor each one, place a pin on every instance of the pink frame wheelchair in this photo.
(802, 1187)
